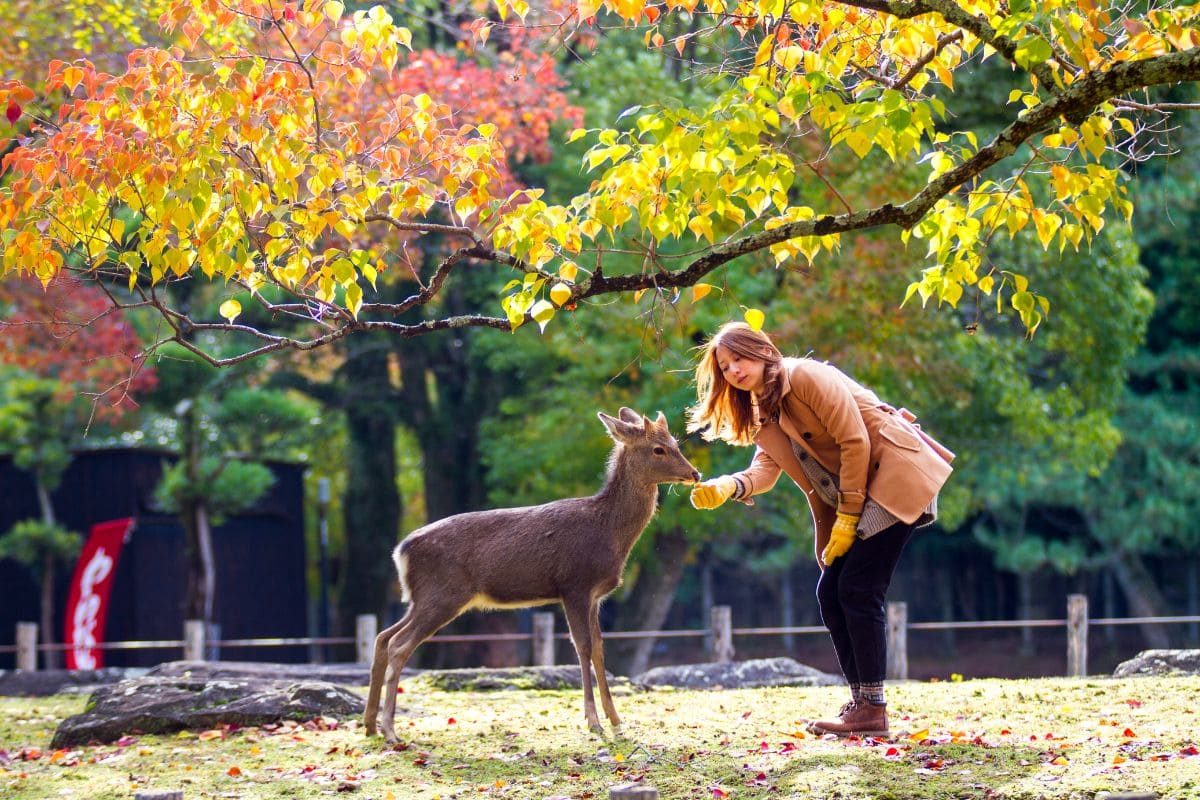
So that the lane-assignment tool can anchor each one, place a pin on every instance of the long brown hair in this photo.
(723, 411)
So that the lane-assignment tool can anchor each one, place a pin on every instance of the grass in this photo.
(1047, 739)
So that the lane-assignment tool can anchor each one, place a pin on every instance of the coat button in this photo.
(876, 465)
(804, 456)
(806, 435)
(824, 481)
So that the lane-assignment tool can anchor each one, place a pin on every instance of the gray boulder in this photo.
(164, 705)
(1160, 662)
(738, 675)
(26, 683)
(480, 680)
(341, 674)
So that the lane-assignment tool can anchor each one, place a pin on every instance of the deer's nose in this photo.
(695, 476)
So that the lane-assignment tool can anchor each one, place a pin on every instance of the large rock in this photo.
(341, 674)
(164, 705)
(738, 675)
(479, 680)
(1160, 662)
(26, 683)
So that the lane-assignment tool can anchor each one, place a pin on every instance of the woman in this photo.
(871, 477)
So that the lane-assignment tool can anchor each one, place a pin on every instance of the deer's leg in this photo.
(598, 662)
(424, 621)
(379, 663)
(576, 609)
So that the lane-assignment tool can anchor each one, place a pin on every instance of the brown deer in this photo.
(569, 551)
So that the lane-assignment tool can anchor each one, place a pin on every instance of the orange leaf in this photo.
(234, 772)
(919, 735)
(208, 736)
(651, 13)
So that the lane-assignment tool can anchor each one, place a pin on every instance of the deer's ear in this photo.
(661, 422)
(618, 429)
(629, 415)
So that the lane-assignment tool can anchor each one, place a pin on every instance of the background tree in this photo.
(224, 429)
(66, 361)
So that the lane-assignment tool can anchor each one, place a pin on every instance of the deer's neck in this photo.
(628, 503)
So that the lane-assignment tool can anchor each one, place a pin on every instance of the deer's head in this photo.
(650, 451)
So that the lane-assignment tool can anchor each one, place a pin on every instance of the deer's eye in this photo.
(659, 450)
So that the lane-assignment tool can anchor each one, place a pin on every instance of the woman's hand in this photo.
(713, 492)
(844, 531)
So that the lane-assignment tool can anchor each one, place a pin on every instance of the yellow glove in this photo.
(844, 531)
(713, 492)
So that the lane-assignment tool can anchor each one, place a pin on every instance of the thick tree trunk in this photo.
(1143, 596)
(372, 504)
(647, 606)
(202, 571)
(1025, 611)
(52, 658)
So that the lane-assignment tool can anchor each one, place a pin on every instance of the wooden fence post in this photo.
(1077, 635)
(193, 640)
(632, 791)
(27, 636)
(722, 628)
(897, 641)
(366, 628)
(543, 639)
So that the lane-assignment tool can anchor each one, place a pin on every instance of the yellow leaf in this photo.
(920, 735)
(542, 312)
(859, 142)
(334, 10)
(229, 310)
(71, 77)
(755, 318)
(354, 298)
(568, 270)
(560, 293)
(700, 291)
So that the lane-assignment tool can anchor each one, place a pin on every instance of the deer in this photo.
(570, 551)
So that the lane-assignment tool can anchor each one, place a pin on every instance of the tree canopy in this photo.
(292, 153)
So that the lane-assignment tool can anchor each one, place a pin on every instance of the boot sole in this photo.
(845, 734)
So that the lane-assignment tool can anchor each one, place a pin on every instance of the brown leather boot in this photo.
(857, 718)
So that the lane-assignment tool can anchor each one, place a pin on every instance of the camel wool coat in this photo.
(874, 449)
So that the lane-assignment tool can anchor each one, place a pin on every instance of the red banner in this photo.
(87, 604)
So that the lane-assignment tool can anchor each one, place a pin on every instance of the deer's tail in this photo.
(401, 561)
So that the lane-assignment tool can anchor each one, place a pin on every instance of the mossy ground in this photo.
(1046, 739)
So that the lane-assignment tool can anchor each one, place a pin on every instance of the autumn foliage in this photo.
(293, 146)
(69, 332)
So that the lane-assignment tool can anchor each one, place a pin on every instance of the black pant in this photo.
(851, 595)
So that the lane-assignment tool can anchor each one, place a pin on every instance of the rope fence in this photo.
(196, 646)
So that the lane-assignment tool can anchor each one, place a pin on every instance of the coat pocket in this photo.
(900, 435)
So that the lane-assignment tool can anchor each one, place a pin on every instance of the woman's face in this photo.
(741, 372)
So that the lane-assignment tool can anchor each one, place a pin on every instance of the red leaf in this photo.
(13, 112)
(1129, 734)
(234, 772)
(1190, 750)
(1134, 703)
(451, 721)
